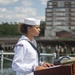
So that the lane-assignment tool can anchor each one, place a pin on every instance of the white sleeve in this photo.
(40, 63)
(18, 63)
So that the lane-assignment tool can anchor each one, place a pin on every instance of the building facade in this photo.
(60, 16)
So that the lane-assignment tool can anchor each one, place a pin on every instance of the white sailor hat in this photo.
(31, 21)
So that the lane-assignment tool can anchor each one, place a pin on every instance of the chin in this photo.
(36, 35)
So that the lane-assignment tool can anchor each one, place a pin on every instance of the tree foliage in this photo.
(12, 29)
(8, 30)
(42, 27)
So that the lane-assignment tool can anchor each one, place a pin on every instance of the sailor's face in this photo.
(35, 30)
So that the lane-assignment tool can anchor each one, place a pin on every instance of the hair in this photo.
(22, 28)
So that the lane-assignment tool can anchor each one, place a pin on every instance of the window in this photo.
(67, 4)
(61, 4)
(55, 4)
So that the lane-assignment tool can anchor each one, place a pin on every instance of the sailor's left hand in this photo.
(47, 65)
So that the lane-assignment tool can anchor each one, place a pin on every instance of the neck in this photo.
(30, 37)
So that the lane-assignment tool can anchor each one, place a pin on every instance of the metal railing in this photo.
(2, 53)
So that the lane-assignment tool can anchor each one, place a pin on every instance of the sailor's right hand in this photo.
(40, 68)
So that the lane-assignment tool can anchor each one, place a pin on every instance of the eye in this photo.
(38, 27)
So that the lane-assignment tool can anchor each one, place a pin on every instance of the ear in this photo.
(29, 28)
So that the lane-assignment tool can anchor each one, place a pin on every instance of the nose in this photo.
(39, 29)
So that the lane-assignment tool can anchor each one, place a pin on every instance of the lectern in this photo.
(57, 70)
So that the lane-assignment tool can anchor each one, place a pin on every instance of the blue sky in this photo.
(17, 10)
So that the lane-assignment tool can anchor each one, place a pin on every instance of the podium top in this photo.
(56, 70)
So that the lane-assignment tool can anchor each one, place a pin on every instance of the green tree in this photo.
(42, 27)
(8, 30)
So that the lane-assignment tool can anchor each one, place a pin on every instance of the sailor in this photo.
(26, 57)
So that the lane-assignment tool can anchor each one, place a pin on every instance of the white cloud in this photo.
(44, 2)
(3, 9)
(26, 3)
(17, 13)
(5, 2)
(28, 10)
(41, 18)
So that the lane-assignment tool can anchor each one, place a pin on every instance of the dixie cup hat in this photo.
(31, 21)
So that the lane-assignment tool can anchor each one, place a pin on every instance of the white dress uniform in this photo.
(25, 57)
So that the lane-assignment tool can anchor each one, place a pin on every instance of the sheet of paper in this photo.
(55, 66)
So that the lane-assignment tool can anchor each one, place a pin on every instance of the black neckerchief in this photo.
(36, 50)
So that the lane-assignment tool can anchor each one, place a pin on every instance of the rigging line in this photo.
(61, 41)
(64, 43)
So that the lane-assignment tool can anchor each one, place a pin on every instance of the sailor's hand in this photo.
(39, 68)
(46, 65)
